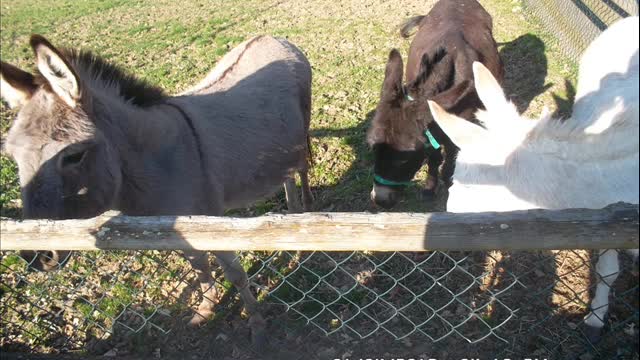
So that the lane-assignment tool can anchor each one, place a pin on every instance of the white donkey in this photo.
(587, 161)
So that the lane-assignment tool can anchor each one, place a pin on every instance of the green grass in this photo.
(11, 262)
(30, 16)
(174, 44)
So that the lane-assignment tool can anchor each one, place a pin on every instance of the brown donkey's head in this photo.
(398, 133)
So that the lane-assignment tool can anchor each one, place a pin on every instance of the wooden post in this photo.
(615, 226)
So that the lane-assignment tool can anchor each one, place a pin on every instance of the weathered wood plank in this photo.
(615, 226)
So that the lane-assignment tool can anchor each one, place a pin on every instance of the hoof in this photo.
(294, 209)
(594, 334)
(200, 317)
(259, 341)
(307, 207)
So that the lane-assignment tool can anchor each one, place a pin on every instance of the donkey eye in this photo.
(73, 158)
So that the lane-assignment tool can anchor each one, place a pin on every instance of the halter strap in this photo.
(382, 181)
(431, 142)
(406, 94)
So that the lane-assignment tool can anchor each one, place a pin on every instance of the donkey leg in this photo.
(291, 193)
(307, 196)
(448, 165)
(200, 264)
(634, 254)
(607, 269)
(234, 272)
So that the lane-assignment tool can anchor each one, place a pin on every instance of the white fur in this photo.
(381, 192)
(62, 79)
(13, 96)
(588, 161)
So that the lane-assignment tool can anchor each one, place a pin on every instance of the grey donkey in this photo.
(89, 138)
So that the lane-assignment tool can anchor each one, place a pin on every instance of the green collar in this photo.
(432, 141)
(382, 181)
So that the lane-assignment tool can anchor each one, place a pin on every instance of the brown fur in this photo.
(453, 35)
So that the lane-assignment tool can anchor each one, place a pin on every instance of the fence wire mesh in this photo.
(510, 303)
(576, 23)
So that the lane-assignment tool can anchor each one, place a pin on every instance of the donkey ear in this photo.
(55, 68)
(488, 88)
(450, 98)
(462, 132)
(392, 84)
(16, 86)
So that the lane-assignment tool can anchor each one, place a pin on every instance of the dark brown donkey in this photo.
(89, 138)
(403, 135)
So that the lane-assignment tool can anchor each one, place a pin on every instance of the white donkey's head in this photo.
(485, 151)
(512, 162)
(504, 129)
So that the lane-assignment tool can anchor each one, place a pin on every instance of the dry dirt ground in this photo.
(132, 305)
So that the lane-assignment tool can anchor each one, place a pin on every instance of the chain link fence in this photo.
(498, 303)
(575, 23)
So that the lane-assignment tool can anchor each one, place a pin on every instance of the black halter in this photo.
(430, 143)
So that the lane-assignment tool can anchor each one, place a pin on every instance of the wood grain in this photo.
(615, 226)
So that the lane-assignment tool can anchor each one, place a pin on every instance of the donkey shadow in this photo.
(524, 81)
(348, 194)
(525, 69)
(525, 65)
(351, 192)
(141, 330)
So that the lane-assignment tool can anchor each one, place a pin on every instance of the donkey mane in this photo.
(99, 71)
(436, 76)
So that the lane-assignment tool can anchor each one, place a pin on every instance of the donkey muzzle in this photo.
(45, 260)
(384, 196)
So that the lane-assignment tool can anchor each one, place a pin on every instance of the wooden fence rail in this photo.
(615, 226)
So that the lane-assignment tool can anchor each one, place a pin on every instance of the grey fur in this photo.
(231, 140)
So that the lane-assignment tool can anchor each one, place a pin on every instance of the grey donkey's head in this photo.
(67, 167)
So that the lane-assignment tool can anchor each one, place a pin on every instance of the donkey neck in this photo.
(586, 140)
(159, 157)
(135, 128)
(556, 173)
